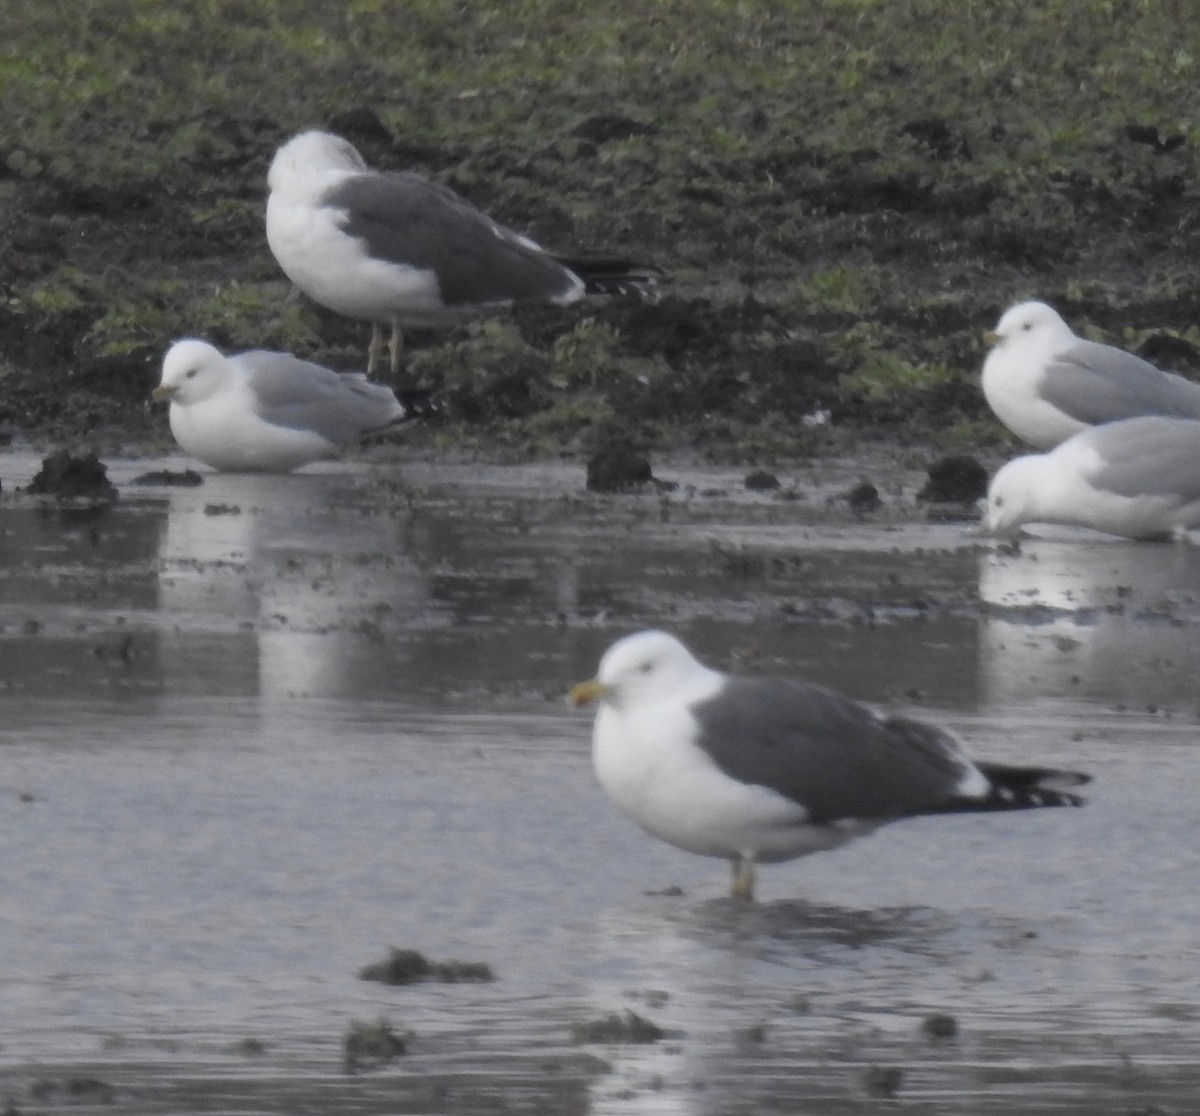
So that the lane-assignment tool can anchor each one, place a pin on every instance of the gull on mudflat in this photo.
(1045, 383)
(266, 412)
(1139, 478)
(395, 249)
(768, 769)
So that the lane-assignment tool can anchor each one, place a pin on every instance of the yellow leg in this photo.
(743, 879)
(375, 350)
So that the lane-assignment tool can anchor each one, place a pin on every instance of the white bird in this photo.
(768, 769)
(1045, 383)
(395, 249)
(266, 412)
(1139, 478)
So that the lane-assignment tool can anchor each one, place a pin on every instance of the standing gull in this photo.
(1045, 383)
(265, 412)
(1139, 478)
(395, 249)
(768, 769)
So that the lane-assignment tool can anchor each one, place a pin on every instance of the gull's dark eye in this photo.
(646, 667)
(192, 372)
(998, 502)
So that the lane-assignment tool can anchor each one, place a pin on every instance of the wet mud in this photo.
(261, 731)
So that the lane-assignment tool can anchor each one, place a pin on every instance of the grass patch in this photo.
(907, 169)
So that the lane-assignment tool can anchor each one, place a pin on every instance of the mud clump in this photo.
(957, 479)
(64, 476)
(939, 1026)
(169, 478)
(955, 486)
(74, 1090)
(882, 1081)
(605, 126)
(408, 966)
(863, 498)
(618, 467)
(369, 1046)
(761, 481)
(618, 1028)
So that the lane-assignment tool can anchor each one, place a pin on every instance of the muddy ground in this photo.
(843, 199)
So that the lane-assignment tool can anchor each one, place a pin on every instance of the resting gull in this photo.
(395, 249)
(265, 412)
(1045, 383)
(768, 769)
(1139, 478)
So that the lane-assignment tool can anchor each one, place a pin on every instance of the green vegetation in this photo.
(845, 193)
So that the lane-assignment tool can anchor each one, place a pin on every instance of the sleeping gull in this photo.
(265, 412)
(1045, 383)
(768, 769)
(396, 249)
(1139, 478)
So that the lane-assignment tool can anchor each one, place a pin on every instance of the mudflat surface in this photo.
(258, 732)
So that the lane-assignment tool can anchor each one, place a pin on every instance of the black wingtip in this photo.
(615, 276)
(1020, 788)
(1005, 798)
(418, 404)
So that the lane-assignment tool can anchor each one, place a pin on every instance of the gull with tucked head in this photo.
(768, 769)
(396, 250)
(1139, 478)
(266, 412)
(1046, 384)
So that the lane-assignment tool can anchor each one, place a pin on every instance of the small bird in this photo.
(768, 769)
(266, 412)
(1045, 383)
(1139, 478)
(395, 249)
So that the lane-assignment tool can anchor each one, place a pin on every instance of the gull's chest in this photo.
(305, 237)
(643, 759)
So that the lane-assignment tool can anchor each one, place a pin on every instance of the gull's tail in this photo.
(613, 276)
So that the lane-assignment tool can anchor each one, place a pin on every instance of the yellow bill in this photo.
(586, 693)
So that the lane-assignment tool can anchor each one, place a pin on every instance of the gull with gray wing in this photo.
(266, 412)
(398, 250)
(768, 769)
(1046, 384)
(1139, 478)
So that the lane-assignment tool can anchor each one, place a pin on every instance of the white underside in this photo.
(225, 433)
(1063, 494)
(1011, 390)
(335, 270)
(672, 789)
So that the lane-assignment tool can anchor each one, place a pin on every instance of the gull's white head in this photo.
(309, 155)
(1032, 328)
(1012, 497)
(192, 371)
(646, 666)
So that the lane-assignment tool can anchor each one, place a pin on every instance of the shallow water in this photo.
(256, 733)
